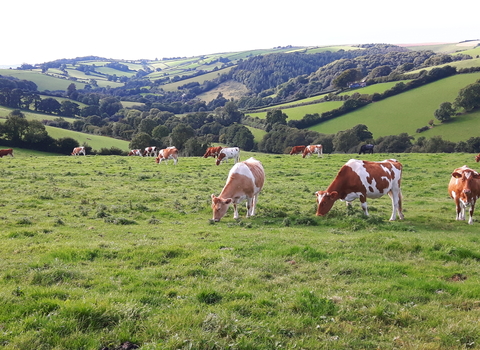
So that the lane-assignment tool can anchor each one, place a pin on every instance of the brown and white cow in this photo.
(245, 181)
(166, 154)
(135, 152)
(362, 179)
(78, 150)
(228, 153)
(6, 152)
(318, 149)
(464, 188)
(150, 151)
(297, 150)
(212, 152)
(477, 158)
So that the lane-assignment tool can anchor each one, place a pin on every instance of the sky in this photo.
(37, 31)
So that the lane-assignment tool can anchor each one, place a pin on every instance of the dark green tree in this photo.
(345, 140)
(15, 127)
(49, 105)
(349, 76)
(140, 141)
(469, 97)
(69, 109)
(444, 112)
(110, 105)
(180, 134)
(160, 131)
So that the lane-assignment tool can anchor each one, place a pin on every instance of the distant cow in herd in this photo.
(309, 150)
(6, 152)
(477, 158)
(464, 189)
(150, 151)
(135, 152)
(212, 152)
(368, 148)
(245, 181)
(78, 150)
(228, 153)
(166, 154)
(297, 150)
(362, 179)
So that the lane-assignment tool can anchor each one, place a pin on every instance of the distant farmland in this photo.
(409, 111)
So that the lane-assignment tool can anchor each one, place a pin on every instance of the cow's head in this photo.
(466, 176)
(157, 160)
(325, 201)
(219, 159)
(220, 207)
(477, 158)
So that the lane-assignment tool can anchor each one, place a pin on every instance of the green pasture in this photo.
(438, 47)
(198, 79)
(257, 133)
(296, 113)
(331, 48)
(406, 112)
(31, 115)
(43, 81)
(95, 141)
(28, 153)
(371, 89)
(102, 251)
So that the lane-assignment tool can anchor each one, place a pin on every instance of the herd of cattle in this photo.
(356, 179)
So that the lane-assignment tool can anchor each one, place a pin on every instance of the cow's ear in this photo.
(228, 201)
(316, 193)
(334, 195)
(456, 175)
(213, 196)
(476, 176)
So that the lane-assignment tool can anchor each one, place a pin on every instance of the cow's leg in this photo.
(175, 160)
(251, 203)
(396, 197)
(460, 209)
(235, 211)
(472, 209)
(363, 203)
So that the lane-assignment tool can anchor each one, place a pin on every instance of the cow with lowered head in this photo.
(245, 181)
(363, 179)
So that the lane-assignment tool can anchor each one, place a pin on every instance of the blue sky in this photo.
(40, 31)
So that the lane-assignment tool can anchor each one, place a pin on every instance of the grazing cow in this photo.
(477, 158)
(6, 152)
(362, 179)
(150, 151)
(366, 149)
(245, 181)
(228, 153)
(212, 152)
(78, 150)
(135, 152)
(464, 188)
(297, 150)
(318, 149)
(166, 154)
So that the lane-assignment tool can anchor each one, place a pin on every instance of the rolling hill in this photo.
(405, 112)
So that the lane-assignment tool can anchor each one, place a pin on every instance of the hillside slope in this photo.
(406, 112)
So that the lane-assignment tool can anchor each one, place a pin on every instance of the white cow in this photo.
(245, 181)
(309, 150)
(228, 153)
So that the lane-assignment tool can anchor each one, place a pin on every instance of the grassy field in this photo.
(98, 251)
(95, 141)
(411, 110)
